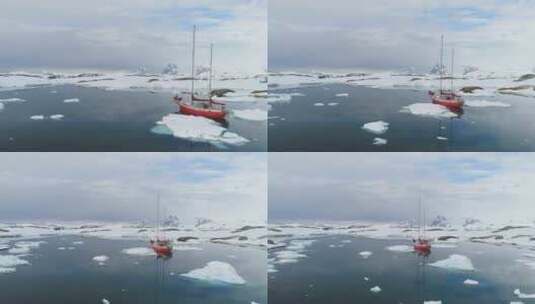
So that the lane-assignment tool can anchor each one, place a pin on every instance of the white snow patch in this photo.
(470, 282)
(486, 103)
(400, 248)
(455, 262)
(71, 100)
(428, 109)
(143, 251)
(197, 128)
(375, 289)
(365, 254)
(376, 127)
(378, 141)
(254, 114)
(216, 271)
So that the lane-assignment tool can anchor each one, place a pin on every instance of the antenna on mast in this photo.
(211, 75)
(441, 61)
(158, 216)
(452, 61)
(193, 63)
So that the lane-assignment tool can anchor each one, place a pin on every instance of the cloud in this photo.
(123, 186)
(124, 34)
(345, 34)
(387, 186)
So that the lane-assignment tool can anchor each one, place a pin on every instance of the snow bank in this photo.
(455, 262)
(216, 271)
(365, 254)
(71, 100)
(142, 251)
(428, 109)
(400, 248)
(254, 114)
(376, 127)
(197, 128)
(486, 103)
(378, 141)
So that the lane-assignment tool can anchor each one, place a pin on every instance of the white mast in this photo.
(452, 61)
(193, 63)
(419, 217)
(158, 216)
(441, 61)
(211, 72)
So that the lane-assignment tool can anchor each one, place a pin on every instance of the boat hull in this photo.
(162, 250)
(449, 103)
(211, 113)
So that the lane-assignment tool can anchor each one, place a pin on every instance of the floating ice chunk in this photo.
(332, 104)
(444, 245)
(428, 109)
(366, 279)
(105, 301)
(470, 282)
(319, 104)
(375, 289)
(442, 138)
(197, 128)
(78, 242)
(346, 242)
(10, 261)
(143, 251)
(365, 254)
(288, 256)
(7, 270)
(342, 95)
(37, 117)
(216, 271)
(187, 248)
(254, 114)
(521, 295)
(71, 100)
(6, 100)
(432, 302)
(486, 103)
(400, 248)
(62, 248)
(455, 262)
(19, 250)
(376, 127)
(101, 259)
(378, 141)
(57, 116)
(296, 94)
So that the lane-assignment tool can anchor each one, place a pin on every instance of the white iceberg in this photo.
(376, 127)
(142, 251)
(319, 104)
(375, 289)
(455, 262)
(521, 295)
(486, 103)
(332, 104)
(57, 116)
(197, 128)
(288, 256)
(365, 254)
(342, 95)
(106, 301)
(400, 248)
(254, 114)
(7, 261)
(378, 141)
(432, 302)
(101, 259)
(71, 100)
(37, 117)
(428, 109)
(470, 282)
(216, 271)
(6, 100)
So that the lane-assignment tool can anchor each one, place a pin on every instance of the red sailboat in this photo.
(421, 245)
(197, 106)
(444, 97)
(162, 246)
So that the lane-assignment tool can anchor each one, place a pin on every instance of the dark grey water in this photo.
(306, 127)
(104, 121)
(70, 276)
(336, 275)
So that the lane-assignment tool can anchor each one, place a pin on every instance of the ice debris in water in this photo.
(376, 127)
(71, 100)
(6, 100)
(143, 251)
(342, 95)
(101, 259)
(365, 254)
(432, 302)
(216, 271)
(375, 289)
(470, 282)
(521, 295)
(8, 263)
(331, 104)
(378, 141)
(399, 248)
(57, 116)
(319, 104)
(253, 114)
(455, 262)
(37, 117)
(105, 301)
(428, 109)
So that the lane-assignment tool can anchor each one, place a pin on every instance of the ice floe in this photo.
(71, 100)
(197, 128)
(442, 138)
(101, 259)
(342, 95)
(37, 117)
(319, 104)
(470, 282)
(428, 109)
(142, 251)
(400, 248)
(332, 104)
(9, 262)
(106, 301)
(216, 271)
(486, 103)
(375, 289)
(432, 302)
(522, 295)
(9, 100)
(57, 116)
(252, 114)
(376, 127)
(378, 141)
(455, 262)
(288, 256)
(365, 254)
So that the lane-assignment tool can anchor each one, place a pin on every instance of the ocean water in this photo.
(71, 276)
(105, 121)
(336, 275)
(299, 125)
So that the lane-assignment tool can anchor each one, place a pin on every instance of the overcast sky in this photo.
(128, 34)
(386, 186)
(386, 34)
(123, 186)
